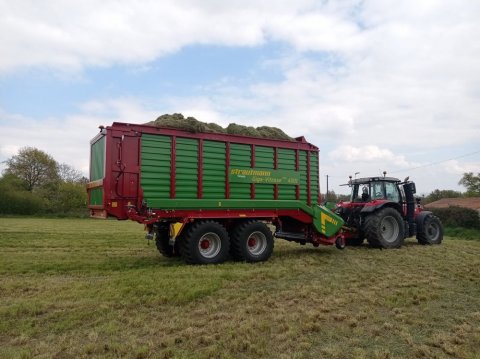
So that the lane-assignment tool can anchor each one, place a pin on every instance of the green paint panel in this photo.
(97, 170)
(325, 221)
(314, 177)
(264, 158)
(186, 168)
(97, 160)
(303, 179)
(96, 196)
(213, 179)
(229, 204)
(155, 167)
(240, 156)
(286, 161)
(155, 173)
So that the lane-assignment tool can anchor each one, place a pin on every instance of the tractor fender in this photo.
(374, 208)
(420, 218)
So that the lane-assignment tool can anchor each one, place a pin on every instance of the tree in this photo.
(333, 197)
(472, 183)
(439, 194)
(35, 167)
(69, 174)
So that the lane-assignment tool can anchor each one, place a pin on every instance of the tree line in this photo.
(33, 182)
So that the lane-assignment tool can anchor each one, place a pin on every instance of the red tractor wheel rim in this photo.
(252, 242)
(205, 244)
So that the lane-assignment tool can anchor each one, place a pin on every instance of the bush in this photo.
(19, 202)
(455, 216)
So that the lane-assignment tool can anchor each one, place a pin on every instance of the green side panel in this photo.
(314, 177)
(97, 160)
(96, 196)
(325, 221)
(286, 161)
(240, 156)
(186, 185)
(264, 158)
(229, 204)
(213, 179)
(155, 167)
(303, 175)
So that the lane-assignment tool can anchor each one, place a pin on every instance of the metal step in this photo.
(290, 235)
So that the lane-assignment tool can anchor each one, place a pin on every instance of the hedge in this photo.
(455, 216)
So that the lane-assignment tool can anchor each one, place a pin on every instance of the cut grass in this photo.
(73, 288)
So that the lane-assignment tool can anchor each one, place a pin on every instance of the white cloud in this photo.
(459, 168)
(67, 139)
(367, 154)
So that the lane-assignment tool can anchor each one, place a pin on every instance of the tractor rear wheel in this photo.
(430, 231)
(385, 228)
(251, 241)
(204, 242)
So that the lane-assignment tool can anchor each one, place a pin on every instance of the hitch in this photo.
(150, 232)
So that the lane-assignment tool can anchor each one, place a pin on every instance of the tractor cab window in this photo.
(392, 192)
(378, 190)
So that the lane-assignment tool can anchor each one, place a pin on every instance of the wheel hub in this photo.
(389, 229)
(205, 244)
(209, 245)
(256, 243)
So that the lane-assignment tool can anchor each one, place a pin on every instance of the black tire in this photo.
(204, 242)
(340, 243)
(385, 228)
(162, 239)
(251, 241)
(430, 231)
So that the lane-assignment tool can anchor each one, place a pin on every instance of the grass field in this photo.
(90, 288)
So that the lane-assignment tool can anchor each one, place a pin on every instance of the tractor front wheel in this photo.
(385, 228)
(430, 231)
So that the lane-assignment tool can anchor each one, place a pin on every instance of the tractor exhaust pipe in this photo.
(409, 188)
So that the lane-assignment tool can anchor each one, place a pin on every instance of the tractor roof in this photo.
(366, 180)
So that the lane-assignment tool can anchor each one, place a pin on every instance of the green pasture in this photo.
(81, 288)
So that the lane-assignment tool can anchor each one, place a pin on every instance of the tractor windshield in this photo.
(364, 192)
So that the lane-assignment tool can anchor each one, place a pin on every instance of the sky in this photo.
(377, 85)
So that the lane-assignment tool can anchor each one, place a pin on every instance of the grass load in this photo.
(191, 124)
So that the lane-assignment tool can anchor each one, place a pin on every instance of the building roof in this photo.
(467, 202)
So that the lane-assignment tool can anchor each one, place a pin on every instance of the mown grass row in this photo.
(85, 288)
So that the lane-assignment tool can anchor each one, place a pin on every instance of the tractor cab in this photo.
(375, 188)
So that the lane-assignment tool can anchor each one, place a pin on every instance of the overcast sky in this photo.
(375, 84)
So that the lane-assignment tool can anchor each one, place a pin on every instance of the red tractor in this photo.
(383, 210)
